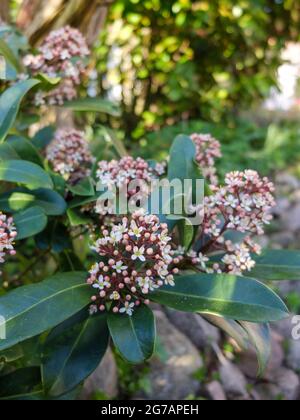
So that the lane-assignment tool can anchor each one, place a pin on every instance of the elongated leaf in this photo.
(9, 55)
(20, 199)
(55, 237)
(230, 296)
(260, 337)
(94, 105)
(182, 163)
(76, 218)
(230, 327)
(20, 382)
(30, 222)
(84, 188)
(134, 336)
(43, 137)
(10, 102)
(277, 265)
(71, 356)
(7, 152)
(33, 309)
(24, 149)
(23, 172)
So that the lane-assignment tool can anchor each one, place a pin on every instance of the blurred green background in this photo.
(205, 66)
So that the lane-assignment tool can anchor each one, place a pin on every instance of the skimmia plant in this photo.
(77, 278)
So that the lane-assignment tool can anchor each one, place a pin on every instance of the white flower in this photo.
(163, 272)
(115, 296)
(135, 230)
(119, 267)
(120, 230)
(93, 309)
(95, 269)
(127, 308)
(101, 283)
(144, 282)
(138, 254)
(170, 280)
(203, 260)
(231, 201)
(164, 238)
(115, 237)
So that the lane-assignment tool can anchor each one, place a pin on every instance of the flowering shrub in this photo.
(138, 260)
(72, 279)
(7, 236)
(208, 149)
(69, 155)
(62, 55)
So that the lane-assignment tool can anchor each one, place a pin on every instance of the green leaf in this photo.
(277, 265)
(10, 102)
(20, 199)
(230, 296)
(55, 237)
(182, 164)
(77, 218)
(43, 137)
(23, 172)
(84, 188)
(48, 83)
(24, 149)
(134, 336)
(9, 55)
(82, 201)
(33, 309)
(186, 230)
(230, 327)
(20, 382)
(7, 152)
(71, 356)
(30, 222)
(260, 337)
(94, 105)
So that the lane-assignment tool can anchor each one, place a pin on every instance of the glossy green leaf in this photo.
(23, 172)
(30, 222)
(84, 188)
(9, 55)
(94, 105)
(71, 356)
(134, 336)
(7, 152)
(20, 383)
(77, 218)
(33, 309)
(182, 164)
(230, 327)
(43, 137)
(24, 149)
(20, 199)
(55, 237)
(277, 265)
(260, 336)
(10, 102)
(230, 296)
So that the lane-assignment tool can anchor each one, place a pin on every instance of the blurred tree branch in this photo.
(37, 18)
(4, 10)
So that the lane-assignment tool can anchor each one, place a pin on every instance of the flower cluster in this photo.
(208, 150)
(120, 174)
(136, 258)
(8, 234)
(69, 155)
(61, 55)
(243, 206)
